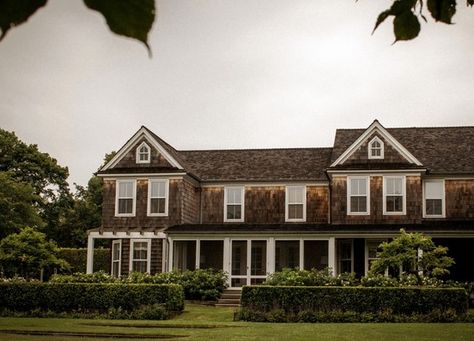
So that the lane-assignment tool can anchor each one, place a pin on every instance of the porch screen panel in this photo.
(212, 254)
(239, 263)
(258, 266)
(287, 254)
(184, 255)
(315, 254)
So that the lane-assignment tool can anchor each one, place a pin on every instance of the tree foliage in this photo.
(17, 206)
(415, 254)
(28, 251)
(129, 18)
(405, 13)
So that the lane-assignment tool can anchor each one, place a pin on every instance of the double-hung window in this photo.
(125, 198)
(140, 255)
(158, 190)
(116, 257)
(234, 204)
(295, 209)
(358, 195)
(143, 153)
(434, 198)
(394, 189)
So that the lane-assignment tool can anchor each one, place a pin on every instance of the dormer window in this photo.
(376, 148)
(143, 153)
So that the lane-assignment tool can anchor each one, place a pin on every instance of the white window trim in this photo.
(443, 200)
(167, 186)
(148, 260)
(119, 261)
(371, 157)
(287, 203)
(349, 178)
(242, 205)
(404, 194)
(117, 185)
(137, 155)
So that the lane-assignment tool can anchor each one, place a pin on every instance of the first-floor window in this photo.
(140, 256)
(287, 254)
(394, 195)
(116, 257)
(372, 249)
(434, 198)
(125, 194)
(295, 203)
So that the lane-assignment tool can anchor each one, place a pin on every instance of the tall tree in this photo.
(17, 206)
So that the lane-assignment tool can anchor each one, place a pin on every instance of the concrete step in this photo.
(231, 296)
(232, 291)
(228, 301)
(227, 305)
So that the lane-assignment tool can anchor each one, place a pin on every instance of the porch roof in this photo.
(434, 227)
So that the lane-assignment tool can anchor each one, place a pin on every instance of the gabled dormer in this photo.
(143, 152)
(373, 148)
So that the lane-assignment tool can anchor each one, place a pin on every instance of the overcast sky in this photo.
(228, 74)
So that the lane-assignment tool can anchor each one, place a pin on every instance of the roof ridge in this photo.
(252, 149)
(432, 127)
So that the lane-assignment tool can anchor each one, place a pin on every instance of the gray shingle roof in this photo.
(444, 150)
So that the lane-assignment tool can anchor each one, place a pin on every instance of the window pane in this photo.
(234, 195)
(394, 186)
(139, 266)
(434, 206)
(287, 254)
(295, 211)
(158, 189)
(394, 203)
(295, 195)
(433, 190)
(115, 269)
(234, 212)
(115, 251)
(359, 204)
(125, 189)
(157, 205)
(125, 206)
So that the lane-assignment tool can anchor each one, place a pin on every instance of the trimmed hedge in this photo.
(77, 259)
(67, 297)
(400, 301)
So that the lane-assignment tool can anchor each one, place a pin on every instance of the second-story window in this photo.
(158, 197)
(394, 195)
(434, 198)
(376, 148)
(125, 198)
(143, 153)
(358, 195)
(295, 203)
(234, 204)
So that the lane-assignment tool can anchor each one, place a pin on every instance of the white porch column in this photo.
(332, 255)
(271, 255)
(227, 258)
(90, 254)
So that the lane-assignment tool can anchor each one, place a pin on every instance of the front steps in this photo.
(230, 298)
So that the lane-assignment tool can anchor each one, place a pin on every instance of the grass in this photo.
(210, 323)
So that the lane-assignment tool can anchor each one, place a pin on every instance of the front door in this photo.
(248, 262)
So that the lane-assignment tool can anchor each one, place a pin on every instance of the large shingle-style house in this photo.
(256, 211)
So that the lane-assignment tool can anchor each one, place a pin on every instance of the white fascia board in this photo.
(126, 235)
(376, 127)
(126, 148)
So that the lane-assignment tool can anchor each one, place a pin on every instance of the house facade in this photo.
(256, 211)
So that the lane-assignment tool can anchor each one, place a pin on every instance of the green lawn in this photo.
(213, 324)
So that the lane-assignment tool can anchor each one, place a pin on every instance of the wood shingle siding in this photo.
(212, 205)
(459, 199)
(191, 202)
(413, 203)
(265, 205)
(129, 160)
(156, 265)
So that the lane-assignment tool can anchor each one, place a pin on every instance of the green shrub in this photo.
(198, 284)
(314, 277)
(68, 297)
(77, 259)
(400, 301)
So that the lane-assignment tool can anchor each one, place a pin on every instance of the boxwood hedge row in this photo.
(400, 301)
(65, 297)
